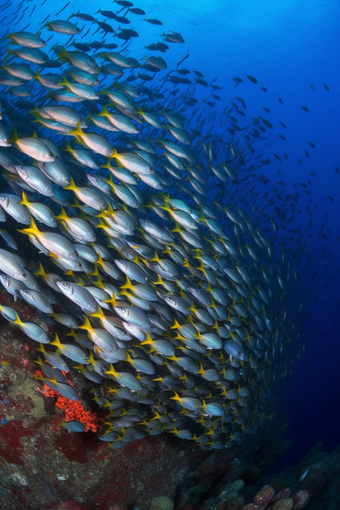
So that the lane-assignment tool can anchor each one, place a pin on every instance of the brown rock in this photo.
(300, 499)
(285, 493)
(283, 504)
(264, 496)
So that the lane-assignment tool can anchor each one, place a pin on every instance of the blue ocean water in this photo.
(286, 46)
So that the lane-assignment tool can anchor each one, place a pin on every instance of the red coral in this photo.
(74, 410)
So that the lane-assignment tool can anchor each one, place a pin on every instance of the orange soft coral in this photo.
(74, 410)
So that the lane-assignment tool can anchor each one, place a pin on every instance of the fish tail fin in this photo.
(63, 81)
(70, 186)
(216, 326)
(112, 301)
(127, 284)
(77, 132)
(41, 348)
(34, 111)
(201, 370)
(166, 207)
(176, 397)
(41, 272)
(106, 165)
(14, 138)
(68, 147)
(87, 325)
(90, 359)
(124, 293)
(24, 200)
(9, 53)
(192, 307)
(32, 229)
(69, 272)
(63, 54)
(159, 281)
(148, 340)
(186, 263)
(99, 314)
(57, 342)
(128, 357)
(104, 112)
(177, 228)
(155, 258)
(176, 325)
(112, 371)
(18, 322)
(39, 361)
(62, 216)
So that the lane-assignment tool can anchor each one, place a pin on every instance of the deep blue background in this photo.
(284, 45)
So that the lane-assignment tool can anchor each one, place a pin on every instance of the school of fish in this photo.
(133, 234)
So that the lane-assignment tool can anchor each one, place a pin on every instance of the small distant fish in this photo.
(304, 108)
(251, 78)
(303, 475)
(264, 89)
(311, 86)
(62, 9)
(277, 157)
(180, 62)
(237, 80)
(154, 21)
(280, 100)
(326, 87)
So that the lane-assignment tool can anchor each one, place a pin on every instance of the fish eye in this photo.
(23, 275)
(51, 154)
